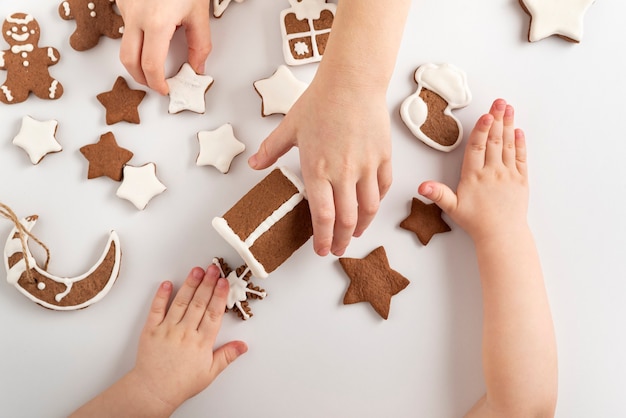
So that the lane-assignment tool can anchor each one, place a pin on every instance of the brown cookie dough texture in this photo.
(269, 223)
(26, 63)
(94, 19)
(424, 220)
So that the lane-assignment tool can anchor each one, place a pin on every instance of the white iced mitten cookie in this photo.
(427, 113)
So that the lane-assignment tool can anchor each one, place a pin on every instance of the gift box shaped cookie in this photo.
(305, 30)
(269, 223)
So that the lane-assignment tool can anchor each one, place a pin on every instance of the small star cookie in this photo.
(140, 185)
(121, 102)
(37, 138)
(372, 280)
(563, 18)
(106, 158)
(425, 220)
(219, 147)
(279, 92)
(187, 90)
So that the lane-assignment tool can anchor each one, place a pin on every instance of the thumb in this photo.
(226, 354)
(199, 44)
(440, 194)
(273, 147)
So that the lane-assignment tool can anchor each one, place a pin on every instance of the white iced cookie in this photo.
(427, 113)
(140, 185)
(219, 147)
(563, 18)
(37, 138)
(55, 292)
(279, 92)
(187, 90)
(219, 6)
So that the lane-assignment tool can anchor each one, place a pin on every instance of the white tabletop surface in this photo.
(310, 355)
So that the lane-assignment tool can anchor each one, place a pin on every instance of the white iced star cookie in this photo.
(140, 185)
(37, 138)
(563, 18)
(219, 147)
(279, 92)
(187, 90)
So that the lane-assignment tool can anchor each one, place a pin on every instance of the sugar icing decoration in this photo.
(219, 147)
(37, 138)
(279, 92)
(219, 6)
(140, 185)
(240, 288)
(187, 90)
(563, 18)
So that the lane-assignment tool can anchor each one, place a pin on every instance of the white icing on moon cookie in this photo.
(280, 91)
(556, 17)
(219, 147)
(187, 90)
(37, 138)
(140, 185)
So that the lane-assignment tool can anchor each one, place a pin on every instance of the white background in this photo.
(311, 356)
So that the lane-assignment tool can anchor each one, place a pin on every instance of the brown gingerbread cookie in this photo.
(94, 18)
(121, 102)
(106, 158)
(372, 280)
(425, 220)
(240, 289)
(26, 63)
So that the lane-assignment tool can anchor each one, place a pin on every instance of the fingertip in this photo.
(240, 347)
(213, 271)
(426, 189)
(253, 162)
(197, 273)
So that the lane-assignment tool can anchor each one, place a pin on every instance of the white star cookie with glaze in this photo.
(140, 185)
(563, 18)
(279, 92)
(219, 6)
(37, 138)
(187, 90)
(219, 147)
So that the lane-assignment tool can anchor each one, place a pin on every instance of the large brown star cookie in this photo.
(121, 102)
(372, 280)
(106, 158)
(425, 220)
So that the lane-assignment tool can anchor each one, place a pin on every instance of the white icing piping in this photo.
(7, 93)
(25, 21)
(51, 55)
(274, 217)
(66, 8)
(222, 227)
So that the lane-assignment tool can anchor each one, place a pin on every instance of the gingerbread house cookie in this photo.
(305, 28)
(268, 224)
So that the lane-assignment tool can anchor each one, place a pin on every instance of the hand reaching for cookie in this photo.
(341, 123)
(149, 27)
(176, 359)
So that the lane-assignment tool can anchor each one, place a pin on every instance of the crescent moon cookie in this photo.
(54, 292)
(37, 138)
(187, 90)
(94, 19)
(305, 29)
(279, 92)
(240, 290)
(26, 63)
(563, 18)
(372, 280)
(427, 113)
(269, 223)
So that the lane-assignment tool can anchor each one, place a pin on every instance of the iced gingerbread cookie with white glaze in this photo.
(37, 138)
(26, 63)
(240, 288)
(563, 18)
(427, 113)
(305, 29)
(94, 19)
(219, 6)
(56, 292)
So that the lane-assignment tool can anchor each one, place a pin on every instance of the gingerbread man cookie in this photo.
(26, 63)
(94, 18)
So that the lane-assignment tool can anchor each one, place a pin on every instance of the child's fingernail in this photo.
(428, 190)
(197, 273)
(252, 161)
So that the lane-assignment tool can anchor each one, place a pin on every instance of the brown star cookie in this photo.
(106, 158)
(372, 280)
(425, 220)
(121, 102)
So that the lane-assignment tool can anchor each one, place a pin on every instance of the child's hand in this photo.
(343, 135)
(492, 195)
(176, 360)
(148, 29)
